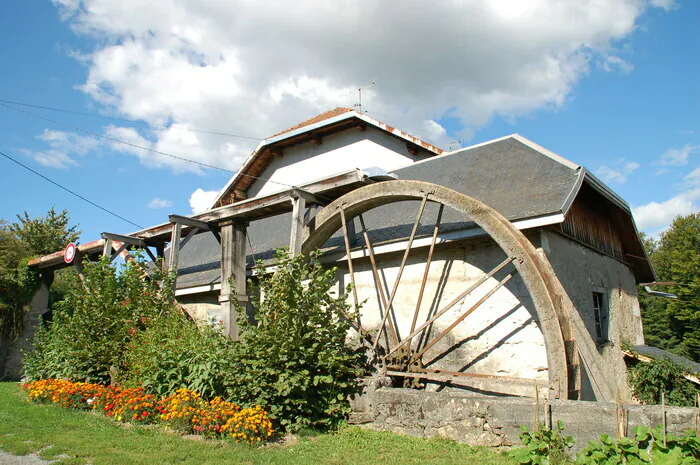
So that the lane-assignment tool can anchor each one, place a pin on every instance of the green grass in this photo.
(86, 437)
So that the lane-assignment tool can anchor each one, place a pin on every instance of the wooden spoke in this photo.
(347, 253)
(377, 278)
(436, 230)
(454, 302)
(401, 268)
(463, 316)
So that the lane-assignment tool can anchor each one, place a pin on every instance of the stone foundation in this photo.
(495, 421)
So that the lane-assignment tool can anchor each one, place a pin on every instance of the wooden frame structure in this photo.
(229, 225)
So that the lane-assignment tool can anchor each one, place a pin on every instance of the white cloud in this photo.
(254, 68)
(693, 177)
(201, 200)
(679, 157)
(62, 148)
(615, 63)
(667, 5)
(157, 203)
(617, 175)
(654, 216)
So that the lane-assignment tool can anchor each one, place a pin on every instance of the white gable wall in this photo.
(337, 152)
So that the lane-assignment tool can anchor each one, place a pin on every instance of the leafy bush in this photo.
(97, 323)
(646, 447)
(175, 353)
(295, 360)
(544, 446)
(649, 380)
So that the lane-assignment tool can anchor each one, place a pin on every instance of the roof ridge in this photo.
(315, 119)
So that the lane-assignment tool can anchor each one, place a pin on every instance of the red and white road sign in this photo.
(69, 253)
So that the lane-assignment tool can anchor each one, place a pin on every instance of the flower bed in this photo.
(183, 411)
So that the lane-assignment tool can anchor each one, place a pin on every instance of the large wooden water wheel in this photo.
(407, 347)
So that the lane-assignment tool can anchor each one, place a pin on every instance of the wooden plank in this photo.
(233, 280)
(297, 230)
(174, 251)
(131, 240)
(107, 250)
(191, 222)
(262, 207)
(193, 232)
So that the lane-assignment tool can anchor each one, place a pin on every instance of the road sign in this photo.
(69, 253)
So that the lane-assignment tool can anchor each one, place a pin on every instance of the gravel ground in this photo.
(30, 459)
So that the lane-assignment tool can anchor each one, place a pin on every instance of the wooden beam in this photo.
(107, 249)
(233, 279)
(297, 230)
(174, 251)
(309, 197)
(191, 222)
(130, 240)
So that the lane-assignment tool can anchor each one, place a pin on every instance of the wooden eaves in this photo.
(247, 210)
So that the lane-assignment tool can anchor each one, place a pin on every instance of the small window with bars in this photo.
(600, 316)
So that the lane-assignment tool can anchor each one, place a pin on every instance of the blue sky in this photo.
(612, 87)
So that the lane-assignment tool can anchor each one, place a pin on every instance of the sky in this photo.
(610, 84)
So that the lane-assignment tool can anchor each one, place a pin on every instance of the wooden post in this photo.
(174, 251)
(107, 250)
(297, 231)
(78, 264)
(233, 267)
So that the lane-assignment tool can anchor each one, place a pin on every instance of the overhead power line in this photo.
(70, 191)
(114, 139)
(120, 141)
(127, 120)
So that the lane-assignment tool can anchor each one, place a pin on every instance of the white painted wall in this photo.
(337, 153)
(501, 337)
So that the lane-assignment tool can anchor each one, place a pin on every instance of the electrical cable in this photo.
(70, 191)
(95, 115)
(114, 139)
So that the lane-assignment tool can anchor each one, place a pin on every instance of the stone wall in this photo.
(495, 421)
(13, 349)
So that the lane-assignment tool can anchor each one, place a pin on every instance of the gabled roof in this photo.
(325, 123)
(316, 119)
(528, 184)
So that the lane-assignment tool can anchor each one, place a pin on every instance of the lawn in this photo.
(86, 437)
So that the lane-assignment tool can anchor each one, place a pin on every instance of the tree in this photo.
(20, 241)
(675, 324)
(45, 234)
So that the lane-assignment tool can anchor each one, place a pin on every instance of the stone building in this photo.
(585, 231)
(550, 269)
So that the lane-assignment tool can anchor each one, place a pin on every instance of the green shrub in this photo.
(175, 353)
(646, 447)
(544, 446)
(295, 360)
(96, 323)
(649, 380)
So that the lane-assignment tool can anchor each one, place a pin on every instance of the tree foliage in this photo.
(97, 322)
(24, 239)
(45, 234)
(295, 359)
(674, 325)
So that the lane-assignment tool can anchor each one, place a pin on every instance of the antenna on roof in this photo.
(358, 105)
(454, 144)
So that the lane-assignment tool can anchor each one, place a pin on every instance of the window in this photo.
(600, 316)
